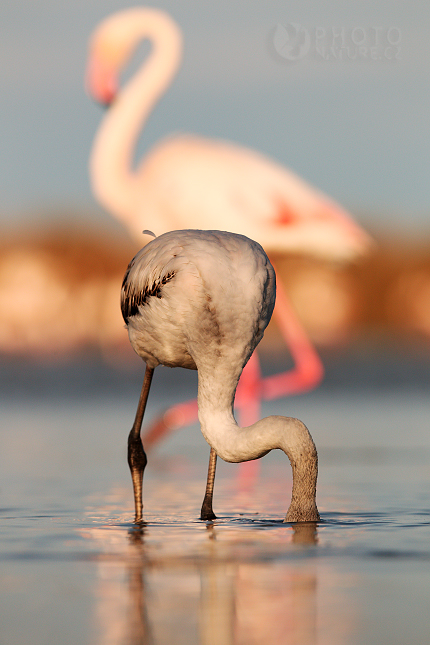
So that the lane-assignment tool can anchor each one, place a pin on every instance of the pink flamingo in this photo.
(190, 182)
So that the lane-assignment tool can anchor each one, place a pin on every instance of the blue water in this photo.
(74, 569)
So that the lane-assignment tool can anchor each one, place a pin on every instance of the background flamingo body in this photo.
(191, 182)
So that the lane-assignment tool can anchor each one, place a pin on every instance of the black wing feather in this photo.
(132, 297)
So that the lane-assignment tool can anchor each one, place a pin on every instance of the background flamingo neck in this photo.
(114, 181)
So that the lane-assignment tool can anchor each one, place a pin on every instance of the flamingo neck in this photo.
(235, 444)
(114, 181)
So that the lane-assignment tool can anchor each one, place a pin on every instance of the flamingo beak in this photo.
(101, 81)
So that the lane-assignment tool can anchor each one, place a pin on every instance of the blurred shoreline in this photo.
(60, 284)
(364, 367)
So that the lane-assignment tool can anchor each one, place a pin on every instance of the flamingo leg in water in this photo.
(178, 416)
(207, 510)
(136, 455)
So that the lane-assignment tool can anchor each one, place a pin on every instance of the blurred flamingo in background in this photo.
(192, 182)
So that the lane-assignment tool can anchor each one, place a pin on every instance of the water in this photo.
(74, 569)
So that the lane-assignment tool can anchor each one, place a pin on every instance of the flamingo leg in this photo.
(207, 510)
(308, 369)
(136, 455)
(177, 416)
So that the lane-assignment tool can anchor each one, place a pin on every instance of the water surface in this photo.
(73, 568)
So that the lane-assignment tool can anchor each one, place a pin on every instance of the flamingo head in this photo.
(113, 43)
(110, 48)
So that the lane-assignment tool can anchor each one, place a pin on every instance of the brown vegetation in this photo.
(59, 292)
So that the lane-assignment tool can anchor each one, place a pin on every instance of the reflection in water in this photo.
(220, 593)
(247, 603)
(136, 619)
(363, 578)
(217, 596)
(276, 605)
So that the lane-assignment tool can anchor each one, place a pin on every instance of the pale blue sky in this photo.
(357, 129)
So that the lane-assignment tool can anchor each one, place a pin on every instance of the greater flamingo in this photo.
(202, 300)
(191, 182)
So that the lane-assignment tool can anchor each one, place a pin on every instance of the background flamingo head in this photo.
(110, 48)
(114, 41)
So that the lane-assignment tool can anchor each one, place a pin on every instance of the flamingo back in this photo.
(198, 299)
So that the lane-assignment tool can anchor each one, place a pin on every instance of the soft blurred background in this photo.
(352, 122)
(354, 125)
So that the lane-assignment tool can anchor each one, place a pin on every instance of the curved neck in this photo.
(234, 444)
(114, 181)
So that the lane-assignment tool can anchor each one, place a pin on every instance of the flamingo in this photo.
(189, 181)
(202, 300)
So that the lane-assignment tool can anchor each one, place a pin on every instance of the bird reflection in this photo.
(305, 533)
(253, 603)
(224, 594)
(217, 596)
(137, 623)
